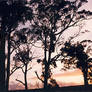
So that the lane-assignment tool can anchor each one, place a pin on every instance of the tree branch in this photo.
(12, 51)
(13, 70)
(29, 68)
(22, 70)
(66, 26)
(38, 76)
(55, 58)
(20, 82)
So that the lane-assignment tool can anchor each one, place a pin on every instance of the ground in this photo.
(62, 89)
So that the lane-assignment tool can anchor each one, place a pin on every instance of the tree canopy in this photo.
(49, 19)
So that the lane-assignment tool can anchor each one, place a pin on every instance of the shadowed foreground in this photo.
(63, 89)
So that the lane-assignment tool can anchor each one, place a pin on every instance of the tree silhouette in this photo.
(53, 84)
(11, 13)
(51, 19)
(23, 56)
(76, 56)
(86, 43)
(21, 44)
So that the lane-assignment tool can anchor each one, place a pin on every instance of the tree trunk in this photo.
(85, 77)
(46, 66)
(46, 76)
(25, 77)
(8, 64)
(47, 63)
(2, 57)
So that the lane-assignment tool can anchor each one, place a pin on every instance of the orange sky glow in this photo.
(70, 78)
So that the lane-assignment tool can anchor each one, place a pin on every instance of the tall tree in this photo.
(76, 56)
(20, 42)
(11, 13)
(51, 19)
(23, 56)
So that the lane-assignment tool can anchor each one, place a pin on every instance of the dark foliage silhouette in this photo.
(51, 19)
(23, 57)
(76, 55)
(11, 13)
(53, 84)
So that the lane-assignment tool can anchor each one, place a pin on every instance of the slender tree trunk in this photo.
(8, 64)
(47, 63)
(85, 79)
(46, 66)
(25, 77)
(85, 71)
(46, 76)
(2, 57)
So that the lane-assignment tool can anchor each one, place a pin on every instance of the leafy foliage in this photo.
(23, 56)
(15, 12)
(76, 55)
(51, 19)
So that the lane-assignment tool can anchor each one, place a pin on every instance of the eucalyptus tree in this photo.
(11, 13)
(75, 56)
(51, 19)
(23, 57)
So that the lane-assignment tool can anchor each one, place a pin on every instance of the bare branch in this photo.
(55, 58)
(13, 70)
(22, 70)
(16, 68)
(20, 82)
(38, 76)
(12, 51)
(59, 33)
(29, 69)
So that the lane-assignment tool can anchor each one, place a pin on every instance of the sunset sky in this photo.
(69, 78)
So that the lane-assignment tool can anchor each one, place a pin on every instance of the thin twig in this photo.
(20, 82)
(38, 76)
